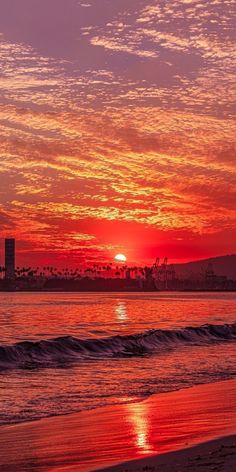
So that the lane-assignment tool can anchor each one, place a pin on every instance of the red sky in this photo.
(117, 129)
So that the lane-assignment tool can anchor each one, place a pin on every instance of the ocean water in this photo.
(66, 352)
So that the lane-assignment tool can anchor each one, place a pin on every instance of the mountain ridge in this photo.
(222, 265)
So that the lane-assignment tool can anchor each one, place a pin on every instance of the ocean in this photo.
(66, 352)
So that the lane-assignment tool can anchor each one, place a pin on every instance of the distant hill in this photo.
(222, 265)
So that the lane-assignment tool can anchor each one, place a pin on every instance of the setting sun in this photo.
(120, 258)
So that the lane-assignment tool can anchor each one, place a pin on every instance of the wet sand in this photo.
(218, 455)
(101, 438)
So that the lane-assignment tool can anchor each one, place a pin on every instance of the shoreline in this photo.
(122, 290)
(101, 438)
(218, 455)
(136, 400)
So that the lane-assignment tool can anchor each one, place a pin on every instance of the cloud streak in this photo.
(130, 123)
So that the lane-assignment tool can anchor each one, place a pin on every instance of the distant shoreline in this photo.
(33, 290)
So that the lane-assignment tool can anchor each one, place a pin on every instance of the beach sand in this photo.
(101, 438)
(218, 455)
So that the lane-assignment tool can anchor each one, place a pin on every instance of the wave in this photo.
(65, 350)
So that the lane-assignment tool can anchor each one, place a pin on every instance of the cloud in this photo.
(131, 125)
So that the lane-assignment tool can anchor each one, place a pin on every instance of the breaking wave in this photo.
(65, 350)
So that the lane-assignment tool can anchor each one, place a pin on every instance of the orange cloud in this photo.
(132, 126)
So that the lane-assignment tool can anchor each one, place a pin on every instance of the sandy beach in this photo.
(104, 437)
(218, 455)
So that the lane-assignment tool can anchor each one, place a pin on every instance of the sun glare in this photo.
(120, 258)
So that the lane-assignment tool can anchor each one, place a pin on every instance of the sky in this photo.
(117, 129)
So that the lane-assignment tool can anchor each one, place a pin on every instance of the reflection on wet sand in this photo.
(139, 417)
(100, 438)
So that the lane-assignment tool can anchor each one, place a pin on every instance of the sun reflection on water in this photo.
(121, 311)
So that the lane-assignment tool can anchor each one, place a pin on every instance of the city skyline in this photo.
(117, 275)
(117, 131)
(11, 260)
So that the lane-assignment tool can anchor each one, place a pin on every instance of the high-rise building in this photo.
(10, 258)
